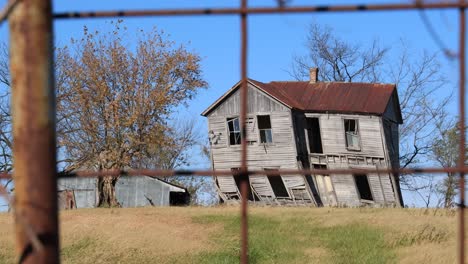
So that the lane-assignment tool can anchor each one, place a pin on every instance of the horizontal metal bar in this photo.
(169, 173)
(261, 10)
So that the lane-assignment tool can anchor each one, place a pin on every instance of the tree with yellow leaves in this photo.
(114, 102)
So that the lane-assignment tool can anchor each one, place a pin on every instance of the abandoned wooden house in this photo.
(309, 124)
(130, 191)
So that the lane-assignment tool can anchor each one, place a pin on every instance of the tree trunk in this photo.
(450, 193)
(106, 192)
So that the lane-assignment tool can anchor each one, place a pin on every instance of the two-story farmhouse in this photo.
(311, 124)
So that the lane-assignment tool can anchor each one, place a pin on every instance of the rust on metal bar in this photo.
(261, 10)
(33, 111)
(5, 176)
(461, 123)
(244, 257)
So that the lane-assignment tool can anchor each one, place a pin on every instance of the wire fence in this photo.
(35, 201)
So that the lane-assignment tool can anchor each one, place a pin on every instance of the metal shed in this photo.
(130, 192)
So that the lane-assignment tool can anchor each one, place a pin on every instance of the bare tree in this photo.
(113, 103)
(417, 77)
(338, 60)
(6, 162)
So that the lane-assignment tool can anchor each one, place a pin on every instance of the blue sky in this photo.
(273, 39)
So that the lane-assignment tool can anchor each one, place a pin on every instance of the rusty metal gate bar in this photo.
(244, 258)
(461, 157)
(39, 238)
(34, 151)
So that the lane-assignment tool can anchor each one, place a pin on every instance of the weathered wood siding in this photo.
(391, 133)
(333, 134)
(346, 190)
(392, 140)
(289, 148)
(372, 133)
(258, 102)
(281, 154)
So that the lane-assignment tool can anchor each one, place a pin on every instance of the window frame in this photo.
(306, 133)
(229, 119)
(358, 134)
(357, 188)
(252, 135)
(277, 170)
(263, 129)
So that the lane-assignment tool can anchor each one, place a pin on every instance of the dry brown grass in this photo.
(172, 235)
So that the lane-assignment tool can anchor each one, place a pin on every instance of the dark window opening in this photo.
(179, 198)
(320, 167)
(264, 127)
(237, 179)
(352, 134)
(277, 184)
(234, 131)
(363, 187)
(313, 134)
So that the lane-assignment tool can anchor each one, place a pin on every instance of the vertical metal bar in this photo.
(33, 109)
(461, 161)
(244, 259)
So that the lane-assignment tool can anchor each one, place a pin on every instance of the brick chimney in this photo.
(313, 75)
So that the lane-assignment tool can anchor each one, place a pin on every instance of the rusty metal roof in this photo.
(332, 97)
(369, 98)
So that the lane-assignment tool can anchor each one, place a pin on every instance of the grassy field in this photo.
(277, 235)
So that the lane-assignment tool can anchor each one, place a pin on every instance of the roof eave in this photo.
(272, 96)
(220, 99)
(232, 90)
(341, 112)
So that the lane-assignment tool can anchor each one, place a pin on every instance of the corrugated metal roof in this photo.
(340, 97)
(333, 97)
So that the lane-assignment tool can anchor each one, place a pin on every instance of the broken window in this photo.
(277, 184)
(250, 129)
(234, 131)
(264, 127)
(352, 134)
(362, 184)
(237, 179)
(313, 135)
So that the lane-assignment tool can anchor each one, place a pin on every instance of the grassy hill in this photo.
(277, 235)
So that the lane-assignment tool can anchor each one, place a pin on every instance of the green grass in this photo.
(276, 235)
(276, 241)
(357, 243)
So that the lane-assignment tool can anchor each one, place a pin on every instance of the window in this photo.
(362, 184)
(251, 130)
(237, 178)
(352, 134)
(313, 135)
(264, 127)
(234, 131)
(277, 183)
